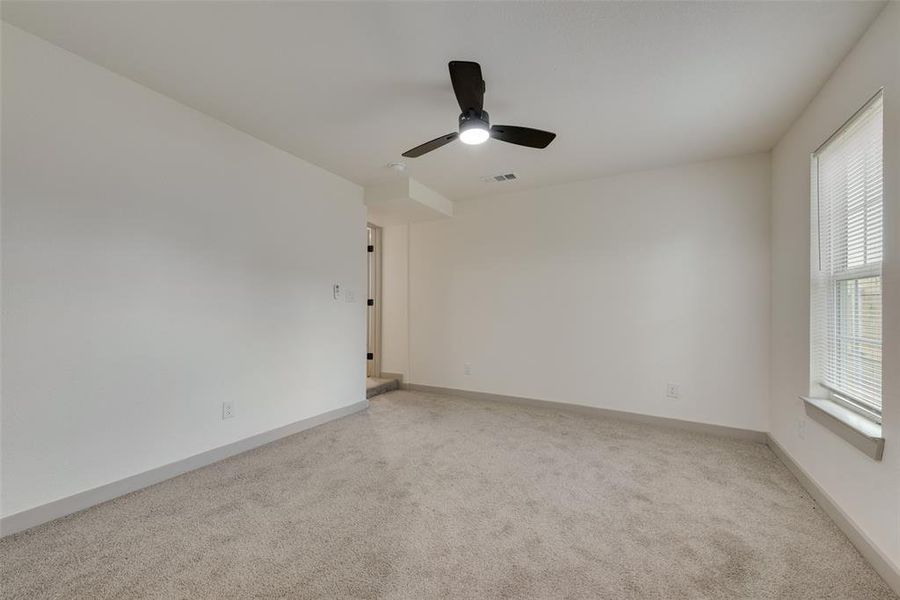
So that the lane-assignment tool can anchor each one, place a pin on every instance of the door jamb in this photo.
(376, 296)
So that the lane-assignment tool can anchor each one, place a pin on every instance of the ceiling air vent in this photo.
(500, 178)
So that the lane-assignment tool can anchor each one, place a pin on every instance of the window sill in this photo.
(859, 431)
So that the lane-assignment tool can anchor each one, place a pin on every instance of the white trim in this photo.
(859, 407)
(694, 426)
(860, 431)
(374, 267)
(849, 121)
(870, 552)
(65, 506)
(863, 272)
(838, 225)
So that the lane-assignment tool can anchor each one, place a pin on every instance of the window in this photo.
(846, 263)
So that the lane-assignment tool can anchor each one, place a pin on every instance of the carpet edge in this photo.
(870, 552)
(694, 426)
(55, 509)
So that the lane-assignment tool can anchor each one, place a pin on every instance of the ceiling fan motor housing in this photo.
(474, 119)
(474, 123)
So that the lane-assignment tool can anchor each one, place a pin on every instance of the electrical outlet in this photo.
(227, 410)
(672, 391)
(467, 369)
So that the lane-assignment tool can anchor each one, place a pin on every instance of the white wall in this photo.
(601, 292)
(868, 491)
(155, 263)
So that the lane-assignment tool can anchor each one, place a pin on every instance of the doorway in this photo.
(376, 383)
(373, 301)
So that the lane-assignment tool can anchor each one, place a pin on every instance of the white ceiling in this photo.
(350, 86)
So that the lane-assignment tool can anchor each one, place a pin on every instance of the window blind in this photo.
(846, 262)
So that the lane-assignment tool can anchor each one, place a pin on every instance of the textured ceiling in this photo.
(350, 86)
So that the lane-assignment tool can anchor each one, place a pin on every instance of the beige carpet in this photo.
(434, 497)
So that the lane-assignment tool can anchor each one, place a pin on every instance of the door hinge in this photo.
(370, 356)
(370, 302)
(370, 248)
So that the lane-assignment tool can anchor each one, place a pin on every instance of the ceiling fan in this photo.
(474, 124)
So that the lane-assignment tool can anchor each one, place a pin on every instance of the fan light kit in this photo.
(474, 128)
(474, 123)
(474, 136)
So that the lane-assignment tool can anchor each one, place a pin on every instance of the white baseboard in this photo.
(857, 537)
(708, 428)
(65, 506)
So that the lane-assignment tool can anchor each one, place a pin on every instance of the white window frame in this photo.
(817, 384)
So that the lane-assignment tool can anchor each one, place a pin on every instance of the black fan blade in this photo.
(467, 84)
(523, 136)
(432, 145)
